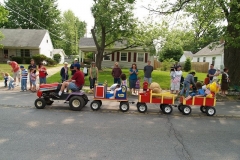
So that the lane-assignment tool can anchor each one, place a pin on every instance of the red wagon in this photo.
(166, 100)
(206, 105)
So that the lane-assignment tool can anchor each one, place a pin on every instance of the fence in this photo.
(156, 64)
(200, 66)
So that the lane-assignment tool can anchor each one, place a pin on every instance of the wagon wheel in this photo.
(95, 105)
(124, 106)
(186, 110)
(203, 109)
(210, 111)
(142, 108)
(167, 109)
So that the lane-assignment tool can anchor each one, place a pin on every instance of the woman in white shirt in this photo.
(175, 79)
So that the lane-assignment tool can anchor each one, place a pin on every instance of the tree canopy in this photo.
(114, 22)
(72, 30)
(3, 18)
(212, 20)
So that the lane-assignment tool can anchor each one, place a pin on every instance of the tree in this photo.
(214, 13)
(114, 22)
(3, 18)
(72, 30)
(187, 65)
(171, 51)
(34, 14)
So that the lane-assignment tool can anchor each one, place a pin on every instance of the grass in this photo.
(7, 68)
(161, 77)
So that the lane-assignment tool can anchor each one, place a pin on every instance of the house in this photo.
(186, 54)
(212, 53)
(25, 43)
(62, 53)
(125, 58)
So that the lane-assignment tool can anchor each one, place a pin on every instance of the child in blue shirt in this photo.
(200, 92)
(24, 76)
(5, 79)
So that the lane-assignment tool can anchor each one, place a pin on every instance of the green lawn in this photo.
(7, 68)
(161, 77)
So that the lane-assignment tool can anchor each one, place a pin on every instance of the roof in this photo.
(57, 51)
(24, 38)
(211, 49)
(188, 54)
(89, 42)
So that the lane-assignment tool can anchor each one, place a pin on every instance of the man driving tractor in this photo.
(75, 83)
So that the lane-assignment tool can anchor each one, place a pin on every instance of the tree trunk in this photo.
(232, 45)
(99, 59)
(232, 63)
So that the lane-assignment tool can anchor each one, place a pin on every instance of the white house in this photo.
(186, 54)
(212, 53)
(61, 52)
(25, 43)
(125, 58)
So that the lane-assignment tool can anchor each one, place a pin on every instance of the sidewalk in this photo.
(50, 71)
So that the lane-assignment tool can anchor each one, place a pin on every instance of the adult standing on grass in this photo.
(176, 75)
(225, 81)
(16, 71)
(211, 72)
(42, 74)
(72, 66)
(30, 67)
(64, 72)
(148, 72)
(116, 73)
(93, 75)
(133, 71)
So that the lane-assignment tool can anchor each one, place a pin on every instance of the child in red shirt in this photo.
(145, 85)
(207, 80)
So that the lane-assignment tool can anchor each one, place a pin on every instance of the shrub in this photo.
(19, 60)
(187, 65)
(57, 57)
(27, 60)
(167, 64)
(39, 58)
(51, 62)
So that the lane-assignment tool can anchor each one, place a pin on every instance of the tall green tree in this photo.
(72, 30)
(34, 14)
(114, 22)
(214, 12)
(3, 18)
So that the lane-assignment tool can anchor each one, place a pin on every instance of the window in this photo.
(213, 60)
(5, 52)
(47, 41)
(198, 59)
(124, 57)
(204, 59)
(140, 57)
(23, 53)
(107, 57)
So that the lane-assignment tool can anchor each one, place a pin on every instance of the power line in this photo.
(36, 24)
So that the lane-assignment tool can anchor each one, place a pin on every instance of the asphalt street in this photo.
(28, 133)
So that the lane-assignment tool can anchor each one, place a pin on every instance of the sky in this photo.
(82, 9)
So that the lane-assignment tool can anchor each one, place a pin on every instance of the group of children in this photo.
(10, 82)
(116, 87)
